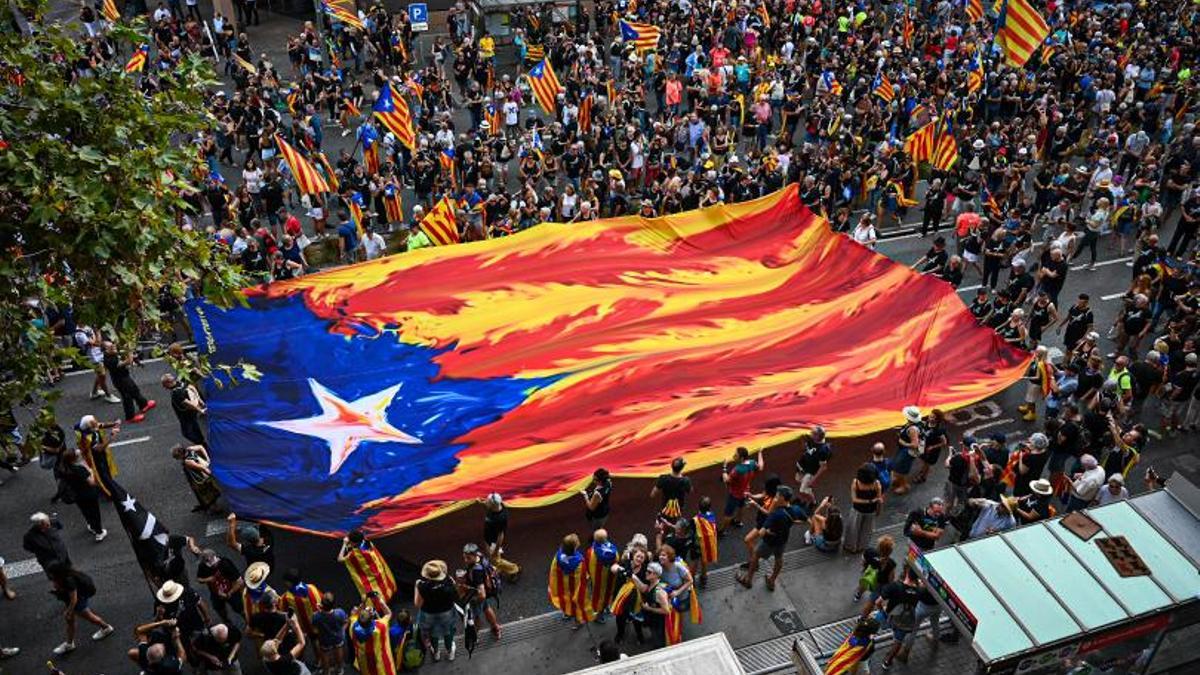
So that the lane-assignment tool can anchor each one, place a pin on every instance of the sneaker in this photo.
(95, 395)
(857, 597)
(885, 665)
(808, 537)
(64, 648)
(103, 633)
(140, 417)
(453, 651)
(7, 652)
(112, 399)
(101, 535)
(150, 405)
(437, 654)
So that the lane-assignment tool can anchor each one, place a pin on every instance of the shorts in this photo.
(440, 625)
(477, 608)
(820, 544)
(82, 604)
(806, 481)
(766, 551)
(899, 635)
(331, 648)
(732, 504)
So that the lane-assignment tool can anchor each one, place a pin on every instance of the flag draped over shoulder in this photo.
(356, 213)
(392, 204)
(545, 85)
(585, 113)
(1020, 29)
(137, 62)
(626, 598)
(644, 36)
(601, 582)
(849, 655)
(440, 224)
(391, 109)
(308, 180)
(568, 586)
(706, 539)
(303, 599)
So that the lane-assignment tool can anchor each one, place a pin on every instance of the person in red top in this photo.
(737, 480)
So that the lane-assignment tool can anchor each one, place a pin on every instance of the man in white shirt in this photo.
(373, 244)
(1086, 484)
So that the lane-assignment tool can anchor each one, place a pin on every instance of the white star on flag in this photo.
(128, 502)
(344, 424)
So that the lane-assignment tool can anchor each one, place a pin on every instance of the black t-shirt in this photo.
(254, 552)
(268, 623)
(960, 470)
(114, 366)
(439, 596)
(204, 641)
(918, 525)
(224, 570)
(814, 455)
(601, 510)
(76, 477)
(495, 523)
(899, 593)
(1035, 463)
(673, 487)
(779, 527)
(935, 259)
(169, 665)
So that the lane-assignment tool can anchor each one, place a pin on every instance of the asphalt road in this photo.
(33, 622)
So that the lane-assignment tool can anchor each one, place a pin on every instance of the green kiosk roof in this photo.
(1042, 584)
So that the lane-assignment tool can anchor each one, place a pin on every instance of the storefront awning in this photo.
(1042, 584)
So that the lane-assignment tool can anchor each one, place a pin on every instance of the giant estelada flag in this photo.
(402, 388)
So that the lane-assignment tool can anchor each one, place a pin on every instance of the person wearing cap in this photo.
(1085, 484)
(482, 580)
(1030, 461)
(814, 460)
(255, 544)
(773, 538)
(994, 516)
(910, 444)
(1113, 491)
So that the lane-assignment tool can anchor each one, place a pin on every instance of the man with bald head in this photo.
(217, 649)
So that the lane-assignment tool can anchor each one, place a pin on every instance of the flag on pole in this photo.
(945, 152)
(919, 144)
(1019, 31)
(883, 87)
(110, 11)
(545, 85)
(831, 83)
(330, 176)
(147, 535)
(440, 224)
(344, 14)
(974, 10)
(909, 29)
(137, 62)
(392, 110)
(415, 88)
(644, 36)
(308, 181)
(763, 14)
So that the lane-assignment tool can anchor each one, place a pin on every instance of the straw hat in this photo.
(912, 413)
(434, 570)
(256, 575)
(1042, 487)
(169, 592)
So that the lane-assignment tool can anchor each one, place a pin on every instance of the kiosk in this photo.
(1047, 598)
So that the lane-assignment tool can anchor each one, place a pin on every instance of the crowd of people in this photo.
(1089, 147)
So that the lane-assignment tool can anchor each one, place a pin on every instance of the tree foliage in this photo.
(94, 171)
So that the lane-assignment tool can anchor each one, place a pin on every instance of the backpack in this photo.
(492, 581)
(412, 652)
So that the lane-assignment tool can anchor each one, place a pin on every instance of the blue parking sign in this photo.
(418, 14)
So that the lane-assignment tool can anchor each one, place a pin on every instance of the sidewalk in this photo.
(814, 590)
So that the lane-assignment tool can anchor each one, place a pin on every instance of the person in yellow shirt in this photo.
(487, 47)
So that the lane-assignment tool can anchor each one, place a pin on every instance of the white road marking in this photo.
(974, 431)
(22, 568)
(130, 441)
